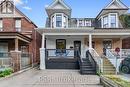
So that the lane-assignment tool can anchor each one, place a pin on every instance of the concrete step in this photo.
(88, 72)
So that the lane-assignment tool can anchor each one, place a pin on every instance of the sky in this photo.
(35, 9)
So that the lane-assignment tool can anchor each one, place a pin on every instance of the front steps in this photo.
(86, 67)
(108, 68)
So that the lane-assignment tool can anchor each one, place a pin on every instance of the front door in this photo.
(77, 47)
(107, 44)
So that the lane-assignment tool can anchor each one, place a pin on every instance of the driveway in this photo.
(51, 78)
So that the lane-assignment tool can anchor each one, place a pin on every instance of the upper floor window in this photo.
(59, 20)
(105, 22)
(110, 21)
(18, 25)
(80, 23)
(83, 23)
(113, 20)
(1, 25)
(87, 23)
(7, 7)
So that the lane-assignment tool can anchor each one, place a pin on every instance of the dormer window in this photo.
(59, 20)
(113, 20)
(87, 23)
(105, 22)
(110, 20)
(83, 23)
(7, 7)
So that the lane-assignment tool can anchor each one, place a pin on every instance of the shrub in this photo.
(5, 72)
(125, 20)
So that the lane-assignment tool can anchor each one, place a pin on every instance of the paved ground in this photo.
(51, 78)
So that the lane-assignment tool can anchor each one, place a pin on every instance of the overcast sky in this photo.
(35, 9)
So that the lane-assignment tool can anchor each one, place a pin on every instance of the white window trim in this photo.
(63, 26)
(1, 27)
(18, 27)
(88, 21)
(109, 20)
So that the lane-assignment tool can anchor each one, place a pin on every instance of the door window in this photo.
(107, 44)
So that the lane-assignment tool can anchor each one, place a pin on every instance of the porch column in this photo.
(42, 54)
(90, 41)
(16, 44)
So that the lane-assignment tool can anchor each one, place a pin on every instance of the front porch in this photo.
(83, 39)
(14, 51)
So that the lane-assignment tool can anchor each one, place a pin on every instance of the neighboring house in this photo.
(17, 34)
(63, 34)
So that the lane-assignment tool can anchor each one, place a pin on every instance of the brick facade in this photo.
(28, 29)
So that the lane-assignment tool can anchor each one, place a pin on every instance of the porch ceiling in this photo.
(13, 35)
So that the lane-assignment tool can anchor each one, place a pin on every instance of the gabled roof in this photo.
(18, 11)
(116, 4)
(58, 4)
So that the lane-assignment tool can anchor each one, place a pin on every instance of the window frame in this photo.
(16, 27)
(6, 8)
(64, 40)
(64, 23)
(1, 25)
(59, 20)
(109, 20)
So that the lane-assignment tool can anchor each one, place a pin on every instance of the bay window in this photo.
(59, 20)
(105, 22)
(110, 21)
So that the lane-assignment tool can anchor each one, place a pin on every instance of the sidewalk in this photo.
(51, 78)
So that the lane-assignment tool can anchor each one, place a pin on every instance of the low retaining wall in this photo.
(106, 82)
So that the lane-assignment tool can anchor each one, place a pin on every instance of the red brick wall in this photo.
(8, 24)
(34, 46)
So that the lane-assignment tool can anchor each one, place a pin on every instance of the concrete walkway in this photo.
(51, 78)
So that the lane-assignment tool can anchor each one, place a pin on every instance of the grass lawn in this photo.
(118, 80)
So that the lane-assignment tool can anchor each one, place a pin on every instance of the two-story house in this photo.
(64, 35)
(17, 34)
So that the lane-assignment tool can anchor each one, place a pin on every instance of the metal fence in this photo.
(57, 53)
(5, 60)
(116, 58)
(26, 60)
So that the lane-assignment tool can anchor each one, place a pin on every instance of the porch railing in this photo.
(98, 60)
(58, 53)
(5, 60)
(122, 54)
(116, 58)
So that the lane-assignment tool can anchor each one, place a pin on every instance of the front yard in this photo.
(115, 81)
(5, 72)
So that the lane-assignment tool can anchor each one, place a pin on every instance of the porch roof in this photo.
(13, 35)
(83, 31)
